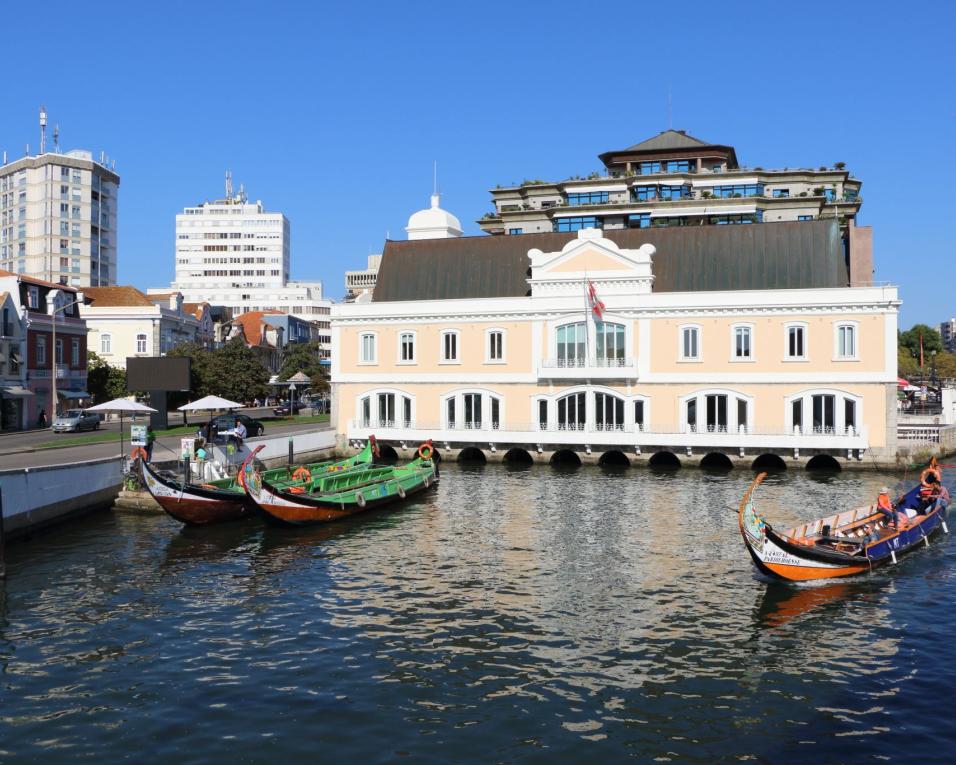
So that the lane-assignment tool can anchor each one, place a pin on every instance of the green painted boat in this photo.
(333, 496)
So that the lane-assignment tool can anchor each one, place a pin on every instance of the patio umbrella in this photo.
(209, 404)
(901, 383)
(123, 406)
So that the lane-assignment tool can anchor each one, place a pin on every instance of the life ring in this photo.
(425, 451)
(302, 474)
(138, 451)
(359, 499)
(297, 490)
(401, 491)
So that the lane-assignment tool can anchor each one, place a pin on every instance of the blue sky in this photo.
(334, 113)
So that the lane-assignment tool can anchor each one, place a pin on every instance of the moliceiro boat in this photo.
(851, 542)
(325, 497)
(226, 499)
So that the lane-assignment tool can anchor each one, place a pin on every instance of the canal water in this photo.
(514, 615)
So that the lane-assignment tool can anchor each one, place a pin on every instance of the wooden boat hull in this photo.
(780, 557)
(286, 508)
(194, 504)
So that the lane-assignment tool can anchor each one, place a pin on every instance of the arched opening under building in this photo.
(388, 453)
(664, 461)
(771, 463)
(518, 457)
(565, 457)
(614, 458)
(472, 454)
(824, 463)
(717, 461)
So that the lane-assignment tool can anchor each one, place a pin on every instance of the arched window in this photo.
(472, 410)
(717, 411)
(608, 412)
(824, 411)
(572, 344)
(386, 408)
(572, 412)
(610, 350)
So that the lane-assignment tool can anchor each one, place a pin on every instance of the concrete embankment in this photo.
(38, 496)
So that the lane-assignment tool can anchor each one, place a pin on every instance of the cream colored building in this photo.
(123, 322)
(729, 344)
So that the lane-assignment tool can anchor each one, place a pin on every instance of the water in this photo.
(516, 615)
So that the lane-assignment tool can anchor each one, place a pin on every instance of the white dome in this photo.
(433, 223)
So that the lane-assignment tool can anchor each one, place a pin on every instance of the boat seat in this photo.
(840, 540)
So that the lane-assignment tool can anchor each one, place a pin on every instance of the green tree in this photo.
(910, 341)
(303, 357)
(236, 372)
(103, 381)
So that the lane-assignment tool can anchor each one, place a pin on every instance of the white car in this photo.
(75, 420)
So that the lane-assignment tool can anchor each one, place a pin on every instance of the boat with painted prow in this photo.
(848, 543)
(225, 499)
(331, 497)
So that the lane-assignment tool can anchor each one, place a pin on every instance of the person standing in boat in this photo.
(885, 506)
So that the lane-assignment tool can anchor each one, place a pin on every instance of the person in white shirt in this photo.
(240, 433)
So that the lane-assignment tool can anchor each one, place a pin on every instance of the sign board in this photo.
(155, 374)
(187, 449)
(137, 435)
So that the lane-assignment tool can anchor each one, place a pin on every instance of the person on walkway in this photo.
(240, 433)
(150, 439)
(41, 419)
(885, 506)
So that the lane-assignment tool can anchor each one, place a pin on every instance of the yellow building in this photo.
(740, 341)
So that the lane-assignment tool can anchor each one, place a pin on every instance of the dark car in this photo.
(285, 409)
(228, 422)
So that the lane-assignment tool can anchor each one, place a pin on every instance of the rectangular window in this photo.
(496, 346)
(58, 350)
(41, 350)
(33, 297)
(717, 413)
(742, 349)
(741, 414)
(675, 192)
(608, 412)
(543, 415)
(639, 220)
(795, 342)
(514, 231)
(796, 413)
(689, 342)
(449, 345)
(368, 349)
(639, 414)
(692, 415)
(804, 217)
(846, 342)
(644, 193)
(823, 408)
(648, 168)
(472, 406)
(610, 344)
(366, 412)
(592, 198)
(737, 190)
(781, 193)
(450, 412)
(577, 223)
(406, 412)
(407, 346)
(495, 413)
(386, 410)
(571, 344)
(141, 343)
(849, 414)
(75, 353)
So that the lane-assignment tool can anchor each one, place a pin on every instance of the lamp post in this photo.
(53, 361)
(291, 399)
(932, 355)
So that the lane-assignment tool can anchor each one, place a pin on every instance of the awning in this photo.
(15, 391)
(73, 393)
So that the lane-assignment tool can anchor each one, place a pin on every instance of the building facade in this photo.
(362, 282)
(732, 344)
(674, 179)
(58, 218)
(123, 322)
(13, 372)
(947, 332)
(55, 350)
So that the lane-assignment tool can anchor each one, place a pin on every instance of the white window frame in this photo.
(680, 344)
(373, 394)
(486, 422)
(106, 343)
(398, 356)
(839, 414)
(733, 424)
(488, 333)
(855, 326)
(41, 346)
(142, 336)
(802, 325)
(75, 352)
(733, 343)
(442, 359)
(361, 348)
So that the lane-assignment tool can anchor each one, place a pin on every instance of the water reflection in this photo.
(517, 609)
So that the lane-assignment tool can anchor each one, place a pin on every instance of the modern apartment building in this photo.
(58, 218)
(947, 331)
(363, 281)
(674, 179)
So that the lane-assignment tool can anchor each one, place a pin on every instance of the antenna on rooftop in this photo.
(242, 193)
(228, 184)
(42, 128)
(56, 138)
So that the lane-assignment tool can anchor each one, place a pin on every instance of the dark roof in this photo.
(759, 256)
(669, 139)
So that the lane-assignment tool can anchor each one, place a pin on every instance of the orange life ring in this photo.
(301, 474)
(425, 451)
(297, 490)
(138, 451)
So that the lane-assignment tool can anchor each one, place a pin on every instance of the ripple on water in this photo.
(513, 615)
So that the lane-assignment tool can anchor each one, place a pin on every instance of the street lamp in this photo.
(933, 373)
(53, 361)
(291, 399)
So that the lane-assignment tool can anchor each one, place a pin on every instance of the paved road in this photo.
(15, 448)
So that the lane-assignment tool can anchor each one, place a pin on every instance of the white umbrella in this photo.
(209, 403)
(123, 406)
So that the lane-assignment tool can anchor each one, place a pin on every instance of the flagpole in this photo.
(587, 329)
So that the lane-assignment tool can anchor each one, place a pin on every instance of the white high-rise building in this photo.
(58, 218)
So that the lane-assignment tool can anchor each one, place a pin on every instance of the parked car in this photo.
(285, 408)
(75, 420)
(228, 422)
